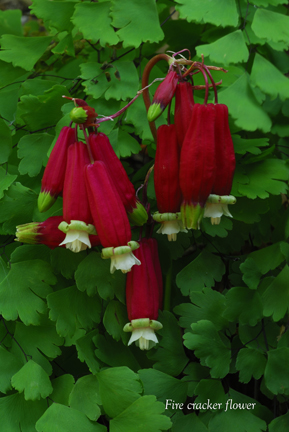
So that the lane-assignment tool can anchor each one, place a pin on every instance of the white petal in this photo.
(171, 228)
(123, 262)
(146, 337)
(76, 240)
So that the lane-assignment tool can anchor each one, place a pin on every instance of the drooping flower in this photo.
(166, 180)
(110, 218)
(183, 109)
(225, 166)
(144, 296)
(46, 232)
(197, 164)
(102, 150)
(76, 212)
(163, 95)
(53, 177)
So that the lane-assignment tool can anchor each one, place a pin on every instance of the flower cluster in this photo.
(195, 158)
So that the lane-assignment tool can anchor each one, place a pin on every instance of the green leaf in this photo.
(253, 337)
(62, 387)
(163, 386)
(10, 364)
(249, 211)
(241, 146)
(32, 149)
(115, 353)
(132, 17)
(38, 342)
(212, 349)
(222, 13)
(247, 112)
(207, 304)
(194, 373)
(85, 397)
(123, 143)
(118, 388)
(183, 423)
(242, 420)
(243, 305)
(23, 289)
(23, 414)
(23, 51)
(6, 142)
(65, 262)
(93, 20)
(92, 275)
(170, 356)
(271, 26)
(145, 414)
(65, 46)
(275, 375)
(98, 84)
(72, 309)
(114, 319)
(269, 79)
(5, 181)
(229, 49)
(264, 179)
(136, 114)
(44, 110)
(250, 364)
(212, 392)
(276, 296)
(85, 350)
(10, 73)
(279, 424)
(55, 14)
(202, 271)
(10, 23)
(60, 418)
(33, 380)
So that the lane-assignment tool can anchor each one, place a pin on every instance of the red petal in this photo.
(183, 109)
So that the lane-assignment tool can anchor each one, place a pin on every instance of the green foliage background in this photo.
(64, 361)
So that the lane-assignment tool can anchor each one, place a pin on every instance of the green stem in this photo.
(168, 289)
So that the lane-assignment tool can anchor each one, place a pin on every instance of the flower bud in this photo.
(83, 115)
(163, 95)
(46, 232)
(53, 177)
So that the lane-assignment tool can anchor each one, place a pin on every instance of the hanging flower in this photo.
(144, 296)
(76, 212)
(163, 95)
(110, 218)
(46, 232)
(225, 166)
(197, 164)
(53, 177)
(166, 180)
(102, 151)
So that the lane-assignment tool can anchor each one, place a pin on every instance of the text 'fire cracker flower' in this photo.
(166, 180)
(225, 166)
(53, 177)
(102, 151)
(76, 211)
(144, 296)
(197, 166)
(110, 219)
(163, 95)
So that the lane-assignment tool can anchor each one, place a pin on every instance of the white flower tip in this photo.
(145, 338)
(123, 262)
(76, 241)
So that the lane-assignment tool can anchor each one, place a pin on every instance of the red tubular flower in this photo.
(225, 165)
(166, 180)
(143, 297)
(53, 177)
(197, 165)
(163, 95)
(76, 211)
(102, 150)
(183, 109)
(109, 218)
(46, 233)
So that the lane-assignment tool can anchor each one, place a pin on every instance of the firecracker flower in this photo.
(183, 109)
(163, 95)
(144, 296)
(53, 177)
(77, 217)
(110, 218)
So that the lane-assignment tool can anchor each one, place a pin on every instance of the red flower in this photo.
(144, 296)
(183, 109)
(53, 177)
